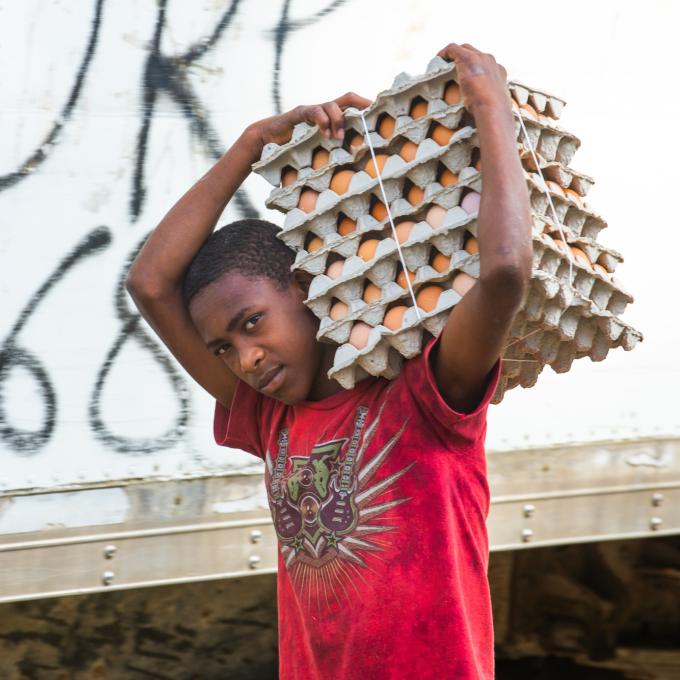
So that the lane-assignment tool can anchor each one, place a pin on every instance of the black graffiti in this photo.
(48, 144)
(168, 74)
(132, 330)
(281, 34)
(162, 74)
(12, 355)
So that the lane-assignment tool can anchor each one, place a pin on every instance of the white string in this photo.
(389, 215)
(570, 256)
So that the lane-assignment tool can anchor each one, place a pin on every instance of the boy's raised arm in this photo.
(155, 277)
(477, 327)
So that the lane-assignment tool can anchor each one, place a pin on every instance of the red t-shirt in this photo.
(379, 498)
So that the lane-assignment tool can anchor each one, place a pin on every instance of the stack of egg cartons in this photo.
(426, 151)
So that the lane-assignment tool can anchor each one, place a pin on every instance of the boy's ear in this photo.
(300, 281)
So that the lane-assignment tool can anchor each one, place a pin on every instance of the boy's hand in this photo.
(482, 81)
(328, 116)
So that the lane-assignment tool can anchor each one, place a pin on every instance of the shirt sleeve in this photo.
(239, 426)
(461, 431)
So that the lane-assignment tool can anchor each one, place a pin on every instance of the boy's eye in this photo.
(252, 321)
(222, 349)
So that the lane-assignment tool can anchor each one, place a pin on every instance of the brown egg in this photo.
(560, 244)
(574, 197)
(427, 297)
(452, 93)
(515, 105)
(314, 244)
(403, 230)
(415, 195)
(447, 178)
(600, 269)
(334, 270)
(386, 126)
(381, 159)
(288, 176)
(462, 283)
(401, 278)
(354, 140)
(441, 134)
(340, 181)
(307, 200)
(338, 311)
(418, 109)
(435, 216)
(367, 249)
(358, 336)
(471, 245)
(371, 293)
(580, 255)
(441, 262)
(554, 187)
(529, 111)
(408, 151)
(346, 226)
(478, 165)
(394, 318)
(379, 211)
(320, 158)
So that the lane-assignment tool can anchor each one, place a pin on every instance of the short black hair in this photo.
(249, 247)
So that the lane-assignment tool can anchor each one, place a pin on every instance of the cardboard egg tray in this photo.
(572, 308)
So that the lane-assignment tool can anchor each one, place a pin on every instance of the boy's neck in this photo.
(323, 386)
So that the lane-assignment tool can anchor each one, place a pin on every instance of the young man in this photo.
(378, 494)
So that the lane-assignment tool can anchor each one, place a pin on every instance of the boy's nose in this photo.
(251, 359)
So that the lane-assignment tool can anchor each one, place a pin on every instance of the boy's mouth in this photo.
(271, 381)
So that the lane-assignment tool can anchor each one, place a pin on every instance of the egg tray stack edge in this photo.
(570, 311)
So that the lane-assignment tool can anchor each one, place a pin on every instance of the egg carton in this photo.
(301, 156)
(544, 103)
(550, 142)
(553, 264)
(287, 198)
(448, 198)
(338, 330)
(539, 346)
(566, 177)
(378, 356)
(454, 155)
(596, 252)
(395, 101)
(382, 268)
(579, 220)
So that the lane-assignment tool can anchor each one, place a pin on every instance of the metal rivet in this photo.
(527, 535)
(657, 499)
(253, 561)
(529, 510)
(655, 523)
(107, 578)
(255, 536)
(109, 551)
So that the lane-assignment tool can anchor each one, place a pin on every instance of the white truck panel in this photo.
(138, 415)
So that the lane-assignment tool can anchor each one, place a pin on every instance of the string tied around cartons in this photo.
(544, 186)
(389, 213)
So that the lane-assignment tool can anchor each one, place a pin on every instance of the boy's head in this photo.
(248, 308)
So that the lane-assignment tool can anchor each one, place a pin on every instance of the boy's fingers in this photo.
(317, 115)
(337, 122)
(352, 99)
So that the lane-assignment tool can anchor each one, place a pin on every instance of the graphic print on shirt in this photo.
(327, 511)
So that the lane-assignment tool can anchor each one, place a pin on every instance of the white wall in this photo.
(612, 61)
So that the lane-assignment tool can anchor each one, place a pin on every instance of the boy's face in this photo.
(266, 336)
